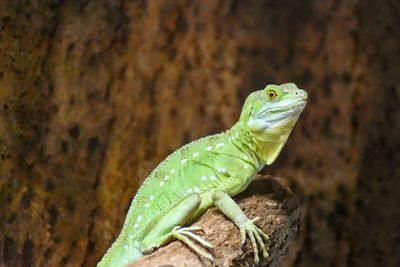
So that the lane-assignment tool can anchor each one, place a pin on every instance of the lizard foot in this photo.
(256, 235)
(182, 233)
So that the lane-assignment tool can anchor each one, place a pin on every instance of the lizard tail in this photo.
(120, 255)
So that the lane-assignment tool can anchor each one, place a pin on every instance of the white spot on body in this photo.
(195, 154)
(131, 236)
(221, 170)
(139, 218)
(183, 161)
(212, 177)
(135, 225)
(203, 178)
(196, 189)
(161, 183)
(126, 247)
(151, 197)
(246, 157)
(147, 205)
(172, 171)
(209, 148)
(190, 190)
(245, 166)
(166, 177)
(219, 144)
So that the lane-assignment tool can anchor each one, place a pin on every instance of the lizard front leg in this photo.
(246, 226)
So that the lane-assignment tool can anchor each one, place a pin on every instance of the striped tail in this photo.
(120, 254)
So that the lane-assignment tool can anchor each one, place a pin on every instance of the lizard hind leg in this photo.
(167, 226)
(183, 235)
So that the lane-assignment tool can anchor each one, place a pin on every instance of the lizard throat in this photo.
(266, 144)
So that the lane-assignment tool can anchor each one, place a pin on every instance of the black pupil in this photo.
(271, 94)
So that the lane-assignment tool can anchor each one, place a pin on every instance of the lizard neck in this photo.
(243, 140)
(265, 145)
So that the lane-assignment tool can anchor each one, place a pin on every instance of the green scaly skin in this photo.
(209, 172)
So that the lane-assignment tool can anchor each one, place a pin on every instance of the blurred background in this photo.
(94, 94)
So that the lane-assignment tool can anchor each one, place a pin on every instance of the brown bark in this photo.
(279, 217)
(93, 94)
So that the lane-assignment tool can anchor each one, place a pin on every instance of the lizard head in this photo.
(269, 116)
(275, 106)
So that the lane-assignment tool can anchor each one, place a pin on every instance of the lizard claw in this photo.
(190, 228)
(242, 236)
(257, 237)
(194, 228)
(182, 233)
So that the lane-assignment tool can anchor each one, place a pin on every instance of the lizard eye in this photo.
(271, 94)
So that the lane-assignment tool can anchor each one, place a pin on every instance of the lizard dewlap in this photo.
(206, 173)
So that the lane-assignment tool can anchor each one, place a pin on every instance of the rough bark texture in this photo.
(280, 219)
(93, 94)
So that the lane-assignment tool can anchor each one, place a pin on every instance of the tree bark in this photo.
(95, 93)
(267, 198)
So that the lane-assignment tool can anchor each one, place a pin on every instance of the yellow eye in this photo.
(271, 94)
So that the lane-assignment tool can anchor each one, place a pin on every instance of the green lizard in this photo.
(209, 172)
